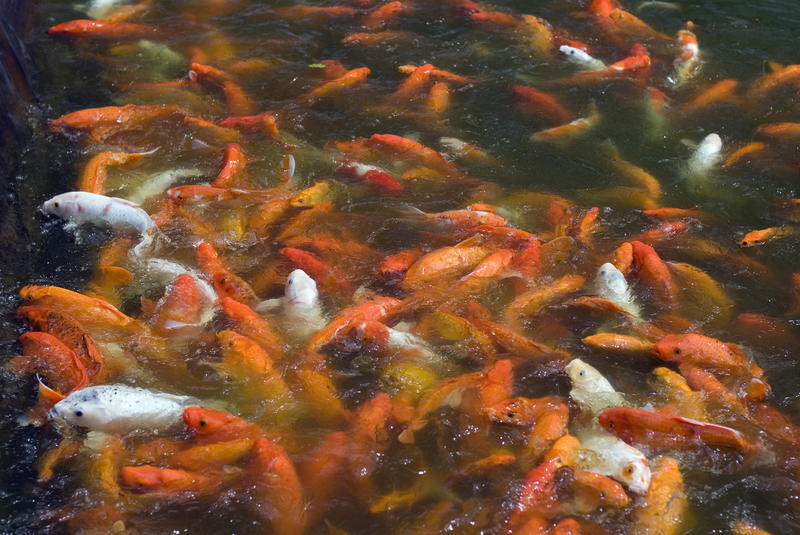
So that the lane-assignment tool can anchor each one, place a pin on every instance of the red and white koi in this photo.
(688, 62)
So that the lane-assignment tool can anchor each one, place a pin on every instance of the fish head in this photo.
(81, 408)
(582, 375)
(635, 474)
(673, 348)
(60, 206)
(301, 290)
(203, 421)
(609, 278)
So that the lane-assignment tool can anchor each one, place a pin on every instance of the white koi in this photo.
(121, 409)
(590, 389)
(582, 59)
(611, 284)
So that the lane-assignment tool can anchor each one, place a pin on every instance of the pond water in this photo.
(271, 56)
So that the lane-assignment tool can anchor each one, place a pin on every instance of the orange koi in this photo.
(654, 273)
(100, 124)
(632, 27)
(537, 494)
(533, 301)
(415, 82)
(315, 14)
(668, 431)
(350, 79)
(698, 350)
(68, 331)
(762, 236)
(522, 411)
(619, 343)
(439, 75)
(665, 504)
(376, 38)
(211, 426)
(96, 315)
(720, 94)
(565, 133)
(592, 491)
(442, 263)
(374, 310)
(233, 169)
(514, 343)
(46, 355)
(395, 266)
(95, 30)
(213, 456)
(411, 151)
(151, 479)
(224, 280)
(788, 133)
(322, 471)
(748, 153)
(531, 101)
(438, 98)
(266, 123)
(246, 321)
(182, 305)
(93, 176)
(497, 384)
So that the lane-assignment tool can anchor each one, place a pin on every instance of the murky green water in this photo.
(737, 38)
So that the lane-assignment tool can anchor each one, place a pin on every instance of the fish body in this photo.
(120, 409)
(610, 456)
(582, 59)
(611, 284)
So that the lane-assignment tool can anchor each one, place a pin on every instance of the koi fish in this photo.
(590, 389)
(581, 58)
(611, 284)
(610, 456)
(688, 62)
(705, 157)
(120, 409)
(301, 305)
(79, 207)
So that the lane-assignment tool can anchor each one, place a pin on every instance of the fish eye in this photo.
(56, 204)
(202, 423)
(628, 470)
(78, 413)
(582, 373)
(677, 351)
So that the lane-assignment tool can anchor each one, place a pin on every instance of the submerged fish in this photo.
(707, 154)
(121, 409)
